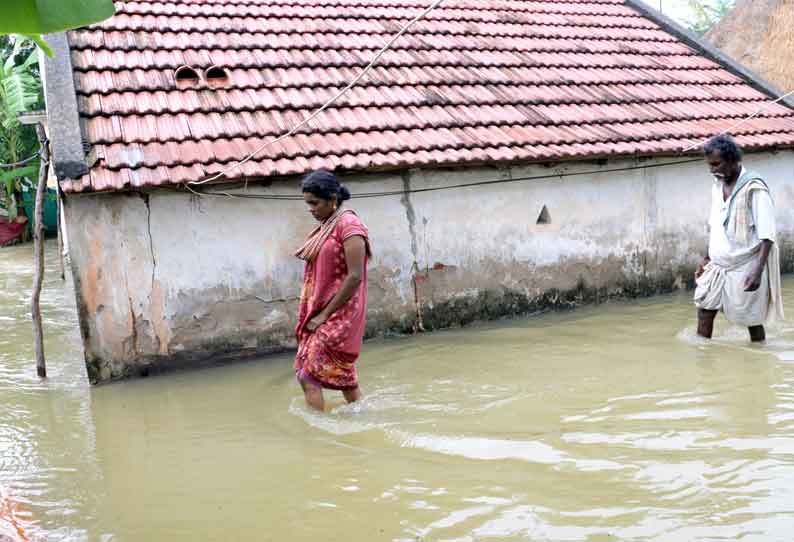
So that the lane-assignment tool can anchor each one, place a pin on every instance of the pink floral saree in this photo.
(327, 355)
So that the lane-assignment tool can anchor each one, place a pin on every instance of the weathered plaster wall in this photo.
(165, 278)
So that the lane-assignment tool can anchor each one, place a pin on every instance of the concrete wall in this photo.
(166, 278)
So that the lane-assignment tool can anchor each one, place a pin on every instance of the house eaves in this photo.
(63, 118)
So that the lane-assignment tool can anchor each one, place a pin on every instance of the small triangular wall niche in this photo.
(544, 217)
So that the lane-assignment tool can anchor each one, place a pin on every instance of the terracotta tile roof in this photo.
(478, 81)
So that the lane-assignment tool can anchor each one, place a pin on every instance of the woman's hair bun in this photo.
(344, 193)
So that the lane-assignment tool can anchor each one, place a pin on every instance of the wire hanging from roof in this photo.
(327, 104)
(369, 67)
(21, 162)
(485, 182)
(740, 123)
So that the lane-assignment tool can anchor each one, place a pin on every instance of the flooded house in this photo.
(506, 156)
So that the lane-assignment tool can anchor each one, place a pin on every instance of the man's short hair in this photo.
(726, 146)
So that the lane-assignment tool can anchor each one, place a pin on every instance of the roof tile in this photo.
(476, 82)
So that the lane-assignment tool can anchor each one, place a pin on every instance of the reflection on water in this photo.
(609, 423)
(47, 462)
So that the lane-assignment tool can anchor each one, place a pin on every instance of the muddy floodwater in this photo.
(607, 423)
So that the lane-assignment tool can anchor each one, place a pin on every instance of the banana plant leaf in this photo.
(35, 17)
(8, 178)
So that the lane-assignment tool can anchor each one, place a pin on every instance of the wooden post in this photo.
(38, 252)
(59, 210)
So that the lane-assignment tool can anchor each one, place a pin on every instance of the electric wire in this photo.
(330, 102)
(486, 182)
(21, 162)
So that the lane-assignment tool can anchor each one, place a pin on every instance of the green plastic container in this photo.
(50, 214)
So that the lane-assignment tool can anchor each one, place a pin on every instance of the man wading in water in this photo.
(740, 275)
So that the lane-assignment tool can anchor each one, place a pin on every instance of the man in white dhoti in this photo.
(740, 275)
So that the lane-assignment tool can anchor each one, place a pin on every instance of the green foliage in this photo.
(35, 17)
(707, 14)
(21, 178)
(47, 16)
(20, 91)
(19, 86)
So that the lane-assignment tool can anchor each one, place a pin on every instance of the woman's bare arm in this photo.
(355, 252)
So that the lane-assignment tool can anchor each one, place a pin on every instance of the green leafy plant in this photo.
(19, 86)
(36, 17)
(19, 178)
(20, 91)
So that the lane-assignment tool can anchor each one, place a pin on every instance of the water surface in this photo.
(608, 423)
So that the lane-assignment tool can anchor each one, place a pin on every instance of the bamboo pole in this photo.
(38, 252)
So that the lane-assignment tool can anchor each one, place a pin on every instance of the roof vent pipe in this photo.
(216, 76)
(186, 76)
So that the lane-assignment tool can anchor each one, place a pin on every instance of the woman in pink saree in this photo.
(333, 305)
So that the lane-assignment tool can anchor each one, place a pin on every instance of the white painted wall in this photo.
(169, 277)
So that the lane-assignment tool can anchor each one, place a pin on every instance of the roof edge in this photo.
(63, 118)
(669, 25)
(267, 180)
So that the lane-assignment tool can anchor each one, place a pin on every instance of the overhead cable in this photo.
(330, 102)
(487, 182)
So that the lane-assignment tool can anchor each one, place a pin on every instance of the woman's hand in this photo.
(355, 252)
(316, 321)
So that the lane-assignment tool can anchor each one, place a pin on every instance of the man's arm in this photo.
(764, 219)
(753, 281)
(703, 264)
